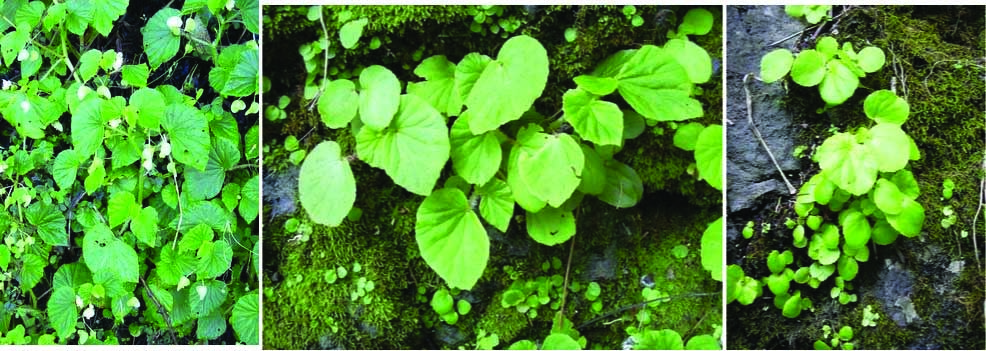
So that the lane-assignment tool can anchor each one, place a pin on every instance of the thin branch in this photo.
(161, 310)
(568, 267)
(641, 304)
(756, 133)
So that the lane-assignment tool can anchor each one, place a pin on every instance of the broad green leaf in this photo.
(885, 147)
(847, 163)
(509, 85)
(380, 96)
(31, 114)
(451, 238)
(560, 341)
(194, 239)
(49, 222)
(708, 155)
(871, 59)
(149, 107)
(664, 339)
(245, 318)
(496, 203)
(611, 66)
(250, 199)
(703, 342)
(208, 212)
(474, 157)
(326, 185)
(438, 89)
(600, 122)
(623, 186)
(122, 207)
(214, 259)
(189, 132)
(350, 32)
(884, 233)
(693, 58)
(250, 11)
(827, 45)
(13, 42)
(697, 21)
(135, 75)
(172, 266)
(120, 307)
(855, 228)
(96, 177)
(839, 83)
(792, 307)
(848, 268)
(593, 174)
(62, 311)
(884, 106)
(910, 220)
(4, 258)
(657, 87)
(712, 249)
(808, 69)
(204, 296)
(103, 251)
(144, 226)
(29, 14)
(207, 183)
(339, 103)
(160, 44)
(906, 183)
(518, 187)
(467, 72)
(412, 150)
(550, 226)
(89, 64)
(550, 166)
(105, 13)
(32, 271)
(87, 127)
(596, 85)
(237, 70)
(888, 197)
(687, 135)
(775, 65)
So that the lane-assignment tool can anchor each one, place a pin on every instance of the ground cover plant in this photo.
(130, 174)
(452, 154)
(867, 251)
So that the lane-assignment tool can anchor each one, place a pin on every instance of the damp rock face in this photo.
(750, 172)
(280, 192)
(894, 289)
(449, 335)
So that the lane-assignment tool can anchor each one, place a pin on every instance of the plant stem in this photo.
(161, 310)
(640, 304)
(756, 133)
(564, 289)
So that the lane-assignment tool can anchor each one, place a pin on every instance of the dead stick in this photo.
(756, 133)
(564, 289)
(161, 310)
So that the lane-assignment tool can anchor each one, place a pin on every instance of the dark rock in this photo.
(894, 288)
(280, 192)
(449, 335)
(602, 266)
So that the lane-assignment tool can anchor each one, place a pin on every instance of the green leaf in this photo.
(250, 11)
(89, 64)
(32, 271)
(885, 147)
(65, 168)
(380, 95)
(144, 226)
(87, 127)
(910, 220)
(808, 69)
(847, 163)
(468, 71)
(593, 173)
(775, 65)
(697, 21)
(906, 183)
(708, 155)
(103, 251)
(207, 183)
(120, 307)
(693, 58)
(413, 149)
(687, 135)
(855, 228)
(50, 223)
(194, 239)
(237, 70)
(451, 238)
(149, 107)
(214, 259)
(664, 339)
(160, 44)
(350, 32)
(105, 13)
(884, 233)
(596, 85)
(245, 318)
(888, 197)
(474, 157)
(121, 207)
(600, 122)
(250, 199)
(848, 268)
(712, 249)
(29, 14)
(439, 87)
(623, 186)
(210, 326)
(189, 132)
(326, 185)
(657, 86)
(523, 345)
(550, 165)
(62, 311)
(496, 203)
(871, 59)
(204, 296)
(792, 307)
(339, 103)
(883, 106)
(135, 75)
(560, 341)
(839, 83)
(96, 177)
(520, 189)
(172, 266)
(550, 226)
(508, 86)
(442, 301)
(703, 342)
(4, 258)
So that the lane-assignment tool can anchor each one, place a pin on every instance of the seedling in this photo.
(836, 71)
(812, 13)
(870, 317)
(748, 230)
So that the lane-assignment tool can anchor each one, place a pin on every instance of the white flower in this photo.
(115, 123)
(83, 92)
(78, 301)
(119, 61)
(202, 290)
(229, 5)
(7, 84)
(25, 106)
(190, 25)
(183, 282)
(165, 149)
(174, 22)
(58, 126)
(23, 55)
(89, 312)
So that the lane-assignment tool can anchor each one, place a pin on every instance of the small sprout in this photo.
(592, 293)
(597, 306)
(463, 307)
(342, 272)
(571, 34)
(870, 317)
(680, 251)
(790, 223)
(948, 186)
(748, 230)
